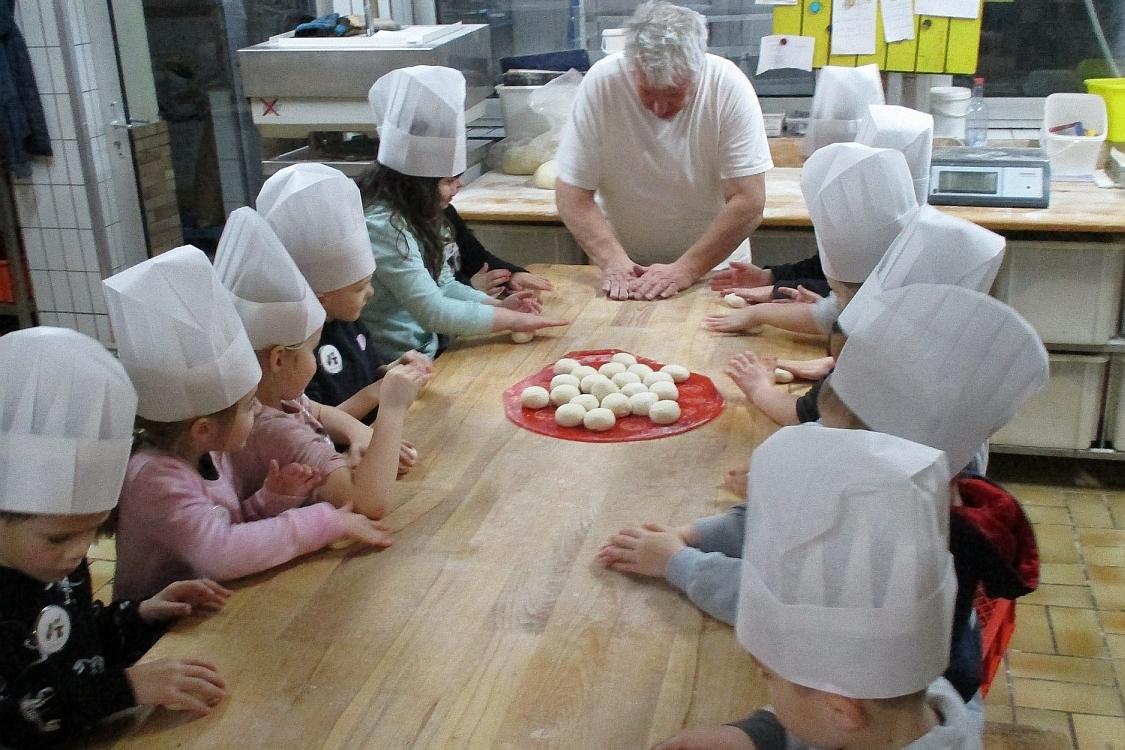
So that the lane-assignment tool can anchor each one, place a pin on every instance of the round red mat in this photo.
(700, 402)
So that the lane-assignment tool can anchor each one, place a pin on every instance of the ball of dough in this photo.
(656, 377)
(564, 379)
(632, 389)
(569, 415)
(618, 403)
(544, 178)
(561, 394)
(609, 369)
(583, 371)
(624, 358)
(622, 379)
(782, 376)
(566, 365)
(587, 383)
(665, 390)
(599, 420)
(664, 412)
(639, 370)
(522, 337)
(603, 388)
(520, 160)
(587, 401)
(535, 397)
(640, 403)
(679, 373)
(733, 300)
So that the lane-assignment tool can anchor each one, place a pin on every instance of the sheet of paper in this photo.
(951, 8)
(853, 27)
(898, 20)
(786, 51)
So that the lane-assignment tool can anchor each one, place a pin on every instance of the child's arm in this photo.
(755, 377)
(788, 316)
(713, 738)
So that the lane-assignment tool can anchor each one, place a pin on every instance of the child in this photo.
(317, 213)
(283, 320)
(195, 372)
(421, 157)
(473, 265)
(66, 661)
(847, 589)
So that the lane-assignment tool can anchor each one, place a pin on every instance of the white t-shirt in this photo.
(659, 182)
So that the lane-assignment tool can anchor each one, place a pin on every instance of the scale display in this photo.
(1001, 177)
(984, 183)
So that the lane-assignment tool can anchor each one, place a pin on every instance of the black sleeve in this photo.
(473, 253)
(807, 410)
(763, 729)
(124, 636)
(809, 268)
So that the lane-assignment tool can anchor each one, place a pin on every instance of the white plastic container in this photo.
(613, 40)
(1065, 413)
(520, 120)
(1069, 291)
(1074, 156)
(949, 105)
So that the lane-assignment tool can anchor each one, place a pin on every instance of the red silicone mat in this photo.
(700, 402)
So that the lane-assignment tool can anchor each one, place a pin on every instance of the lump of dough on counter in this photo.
(566, 365)
(564, 379)
(733, 300)
(520, 160)
(664, 412)
(535, 397)
(656, 377)
(624, 358)
(569, 415)
(599, 420)
(609, 369)
(679, 373)
(561, 394)
(640, 403)
(587, 401)
(665, 390)
(623, 379)
(632, 389)
(522, 337)
(618, 403)
(782, 376)
(544, 177)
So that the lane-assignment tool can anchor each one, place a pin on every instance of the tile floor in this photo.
(1065, 668)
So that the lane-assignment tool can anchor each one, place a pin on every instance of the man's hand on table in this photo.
(660, 281)
(617, 280)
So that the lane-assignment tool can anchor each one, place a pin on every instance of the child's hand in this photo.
(184, 598)
(737, 321)
(363, 529)
(401, 386)
(407, 457)
(708, 738)
(295, 480)
(177, 684)
(644, 551)
(357, 446)
(800, 294)
(753, 295)
(741, 274)
(687, 533)
(523, 302)
(751, 372)
(523, 281)
(737, 480)
(808, 369)
(490, 282)
(417, 360)
(527, 322)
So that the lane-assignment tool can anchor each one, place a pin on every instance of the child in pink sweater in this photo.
(195, 372)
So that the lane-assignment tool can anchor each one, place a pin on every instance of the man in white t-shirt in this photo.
(671, 140)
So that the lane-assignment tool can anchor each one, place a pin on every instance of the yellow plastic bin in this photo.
(1113, 91)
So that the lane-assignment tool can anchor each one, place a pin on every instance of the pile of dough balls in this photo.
(597, 398)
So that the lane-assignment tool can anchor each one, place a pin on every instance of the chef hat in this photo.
(847, 581)
(934, 248)
(179, 337)
(420, 112)
(859, 199)
(66, 423)
(275, 303)
(839, 102)
(906, 130)
(317, 213)
(942, 366)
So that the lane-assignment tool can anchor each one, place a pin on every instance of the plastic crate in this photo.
(1065, 413)
(997, 619)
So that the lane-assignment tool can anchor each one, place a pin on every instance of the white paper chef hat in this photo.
(906, 130)
(317, 213)
(277, 306)
(942, 366)
(847, 581)
(66, 423)
(859, 199)
(839, 102)
(420, 112)
(179, 337)
(934, 248)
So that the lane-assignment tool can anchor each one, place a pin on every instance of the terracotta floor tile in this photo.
(1069, 574)
(1089, 511)
(1052, 721)
(1077, 632)
(1061, 596)
(1116, 643)
(1109, 586)
(1112, 622)
(1061, 668)
(1116, 503)
(1099, 732)
(1033, 630)
(1001, 713)
(1056, 543)
(1104, 556)
(103, 549)
(1036, 494)
(1065, 696)
(101, 573)
(1100, 537)
(1047, 514)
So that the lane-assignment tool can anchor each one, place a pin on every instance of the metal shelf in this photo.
(1100, 454)
(1115, 345)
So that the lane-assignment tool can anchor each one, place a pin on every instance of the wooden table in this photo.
(487, 625)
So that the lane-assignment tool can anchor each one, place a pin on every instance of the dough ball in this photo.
(520, 160)
(522, 337)
(618, 403)
(564, 379)
(603, 388)
(782, 376)
(588, 382)
(561, 394)
(664, 412)
(609, 369)
(656, 377)
(632, 389)
(544, 178)
(535, 397)
(640, 403)
(624, 358)
(569, 415)
(587, 401)
(733, 300)
(623, 379)
(599, 420)
(639, 370)
(566, 365)
(679, 373)
(582, 371)
(665, 391)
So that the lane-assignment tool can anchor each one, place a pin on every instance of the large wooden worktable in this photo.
(487, 625)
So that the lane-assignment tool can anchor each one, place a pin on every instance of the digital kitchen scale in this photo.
(1005, 177)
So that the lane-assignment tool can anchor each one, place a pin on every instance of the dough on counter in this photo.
(582, 371)
(603, 388)
(639, 370)
(609, 369)
(733, 300)
(565, 365)
(665, 390)
(569, 415)
(535, 397)
(632, 389)
(657, 377)
(544, 177)
(599, 420)
(664, 412)
(782, 376)
(564, 379)
(640, 403)
(520, 160)
(624, 358)
(618, 403)
(588, 401)
(623, 379)
(679, 373)
(588, 382)
(522, 337)
(561, 394)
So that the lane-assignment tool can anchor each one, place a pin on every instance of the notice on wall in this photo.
(898, 20)
(786, 51)
(853, 27)
(950, 8)
(775, 2)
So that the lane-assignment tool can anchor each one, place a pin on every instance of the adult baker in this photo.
(671, 141)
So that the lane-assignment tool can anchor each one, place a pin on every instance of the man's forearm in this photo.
(591, 230)
(738, 219)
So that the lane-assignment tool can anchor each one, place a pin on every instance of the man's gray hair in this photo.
(666, 42)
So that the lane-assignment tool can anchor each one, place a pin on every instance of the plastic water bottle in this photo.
(976, 121)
